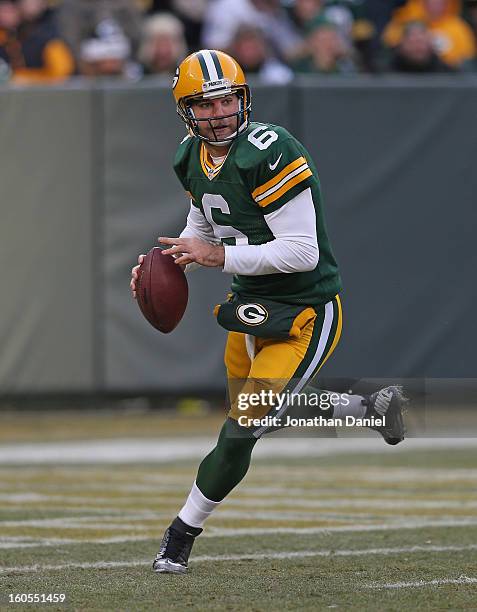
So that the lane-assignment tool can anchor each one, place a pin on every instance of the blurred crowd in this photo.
(53, 40)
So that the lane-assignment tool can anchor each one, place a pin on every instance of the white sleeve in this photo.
(197, 227)
(294, 249)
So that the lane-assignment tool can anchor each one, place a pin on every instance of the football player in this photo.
(255, 212)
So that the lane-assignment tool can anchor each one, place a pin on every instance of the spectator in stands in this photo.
(154, 6)
(415, 10)
(304, 12)
(78, 20)
(344, 13)
(163, 45)
(341, 13)
(371, 16)
(10, 51)
(415, 53)
(453, 38)
(350, 16)
(224, 16)
(470, 13)
(107, 53)
(380, 13)
(189, 12)
(328, 51)
(251, 50)
(30, 44)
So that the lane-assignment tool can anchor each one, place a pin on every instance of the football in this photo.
(162, 291)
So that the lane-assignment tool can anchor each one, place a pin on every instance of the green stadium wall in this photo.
(87, 183)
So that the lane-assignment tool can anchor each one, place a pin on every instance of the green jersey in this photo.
(265, 168)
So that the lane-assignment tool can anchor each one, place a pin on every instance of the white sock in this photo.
(351, 405)
(197, 508)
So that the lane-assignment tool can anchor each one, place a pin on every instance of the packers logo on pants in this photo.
(252, 314)
(279, 365)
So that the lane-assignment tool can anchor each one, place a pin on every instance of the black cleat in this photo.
(388, 403)
(175, 548)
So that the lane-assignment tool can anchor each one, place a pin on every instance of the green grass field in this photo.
(380, 531)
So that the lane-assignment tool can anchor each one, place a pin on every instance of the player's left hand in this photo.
(135, 276)
(188, 250)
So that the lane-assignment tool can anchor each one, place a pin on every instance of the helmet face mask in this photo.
(207, 75)
(194, 123)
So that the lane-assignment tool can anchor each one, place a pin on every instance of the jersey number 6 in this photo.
(211, 201)
(264, 140)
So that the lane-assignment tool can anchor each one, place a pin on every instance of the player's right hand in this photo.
(135, 275)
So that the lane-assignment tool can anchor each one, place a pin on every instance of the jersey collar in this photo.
(209, 168)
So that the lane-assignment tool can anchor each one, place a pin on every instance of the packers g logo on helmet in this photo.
(176, 78)
(210, 74)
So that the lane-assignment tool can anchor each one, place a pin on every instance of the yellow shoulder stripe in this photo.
(276, 179)
(291, 182)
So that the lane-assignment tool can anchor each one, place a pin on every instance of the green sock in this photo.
(227, 464)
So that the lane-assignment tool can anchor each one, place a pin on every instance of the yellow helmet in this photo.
(210, 74)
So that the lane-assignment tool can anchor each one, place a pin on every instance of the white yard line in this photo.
(255, 496)
(422, 583)
(256, 515)
(252, 556)
(376, 475)
(91, 500)
(131, 450)
(166, 481)
(297, 503)
(248, 501)
(78, 523)
(390, 526)
(82, 520)
(344, 493)
(8, 542)
(338, 553)
(104, 522)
